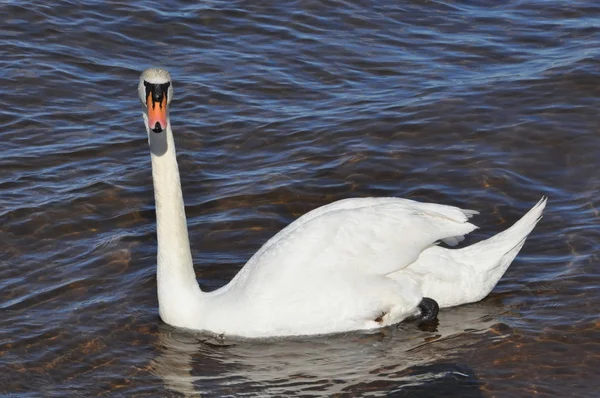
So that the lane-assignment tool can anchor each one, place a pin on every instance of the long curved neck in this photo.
(178, 291)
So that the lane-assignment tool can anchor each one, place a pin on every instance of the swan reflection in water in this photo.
(383, 361)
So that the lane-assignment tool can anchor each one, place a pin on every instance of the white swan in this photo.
(353, 264)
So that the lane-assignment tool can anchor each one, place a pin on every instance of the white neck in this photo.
(179, 296)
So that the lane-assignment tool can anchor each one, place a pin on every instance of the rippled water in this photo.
(281, 107)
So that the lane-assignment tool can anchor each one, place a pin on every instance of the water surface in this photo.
(281, 107)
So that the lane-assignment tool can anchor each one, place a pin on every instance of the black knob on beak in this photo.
(157, 93)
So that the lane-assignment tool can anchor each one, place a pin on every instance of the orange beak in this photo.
(157, 113)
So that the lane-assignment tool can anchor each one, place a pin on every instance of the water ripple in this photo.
(280, 108)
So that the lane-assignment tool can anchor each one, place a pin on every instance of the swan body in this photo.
(353, 264)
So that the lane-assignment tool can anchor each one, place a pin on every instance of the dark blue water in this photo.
(281, 107)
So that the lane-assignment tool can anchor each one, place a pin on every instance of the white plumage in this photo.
(353, 264)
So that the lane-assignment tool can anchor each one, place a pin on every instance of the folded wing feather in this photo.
(367, 235)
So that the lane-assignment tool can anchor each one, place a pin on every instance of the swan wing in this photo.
(368, 235)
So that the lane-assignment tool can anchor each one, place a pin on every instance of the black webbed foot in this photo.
(427, 317)
(429, 309)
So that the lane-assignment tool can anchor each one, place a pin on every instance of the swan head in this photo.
(156, 92)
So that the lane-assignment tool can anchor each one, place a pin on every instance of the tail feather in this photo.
(491, 257)
(460, 276)
(507, 242)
